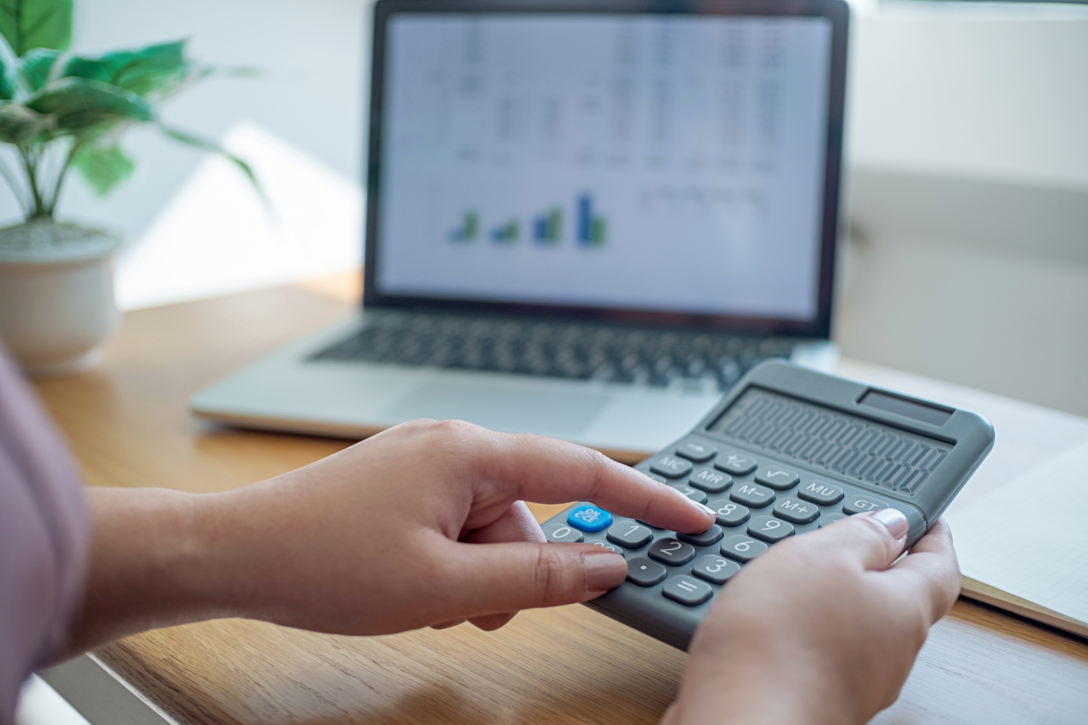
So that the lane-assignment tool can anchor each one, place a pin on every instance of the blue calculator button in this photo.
(589, 518)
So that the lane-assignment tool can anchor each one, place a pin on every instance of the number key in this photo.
(560, 533)
(628, 534)
(608, 547)
(742, 549)
(693, 493)
(706, 538)
(715, 569)
(770, 529)
(729, 513)
(671, 552)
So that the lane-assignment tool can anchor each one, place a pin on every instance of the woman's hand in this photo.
(819, 629)
(421, 525)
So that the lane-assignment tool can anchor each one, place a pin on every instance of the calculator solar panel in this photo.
(787, 452)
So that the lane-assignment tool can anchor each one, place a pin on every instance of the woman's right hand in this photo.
(821, 628)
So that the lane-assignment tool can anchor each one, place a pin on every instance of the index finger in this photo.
(544, 470)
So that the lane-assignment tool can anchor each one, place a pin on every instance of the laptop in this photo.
(584, 219)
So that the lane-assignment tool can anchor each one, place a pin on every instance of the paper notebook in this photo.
(1024, 547)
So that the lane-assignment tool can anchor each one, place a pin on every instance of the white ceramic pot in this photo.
(56, 295)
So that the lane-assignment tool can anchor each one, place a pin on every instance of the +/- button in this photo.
(589, 518)
(736, 464)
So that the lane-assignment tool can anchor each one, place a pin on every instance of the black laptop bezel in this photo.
(836, 11)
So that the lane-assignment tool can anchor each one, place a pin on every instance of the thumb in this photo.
(876, 539)
(492, 578)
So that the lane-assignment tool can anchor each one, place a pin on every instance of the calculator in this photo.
(786, 451)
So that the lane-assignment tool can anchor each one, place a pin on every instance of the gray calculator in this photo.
(786, 451)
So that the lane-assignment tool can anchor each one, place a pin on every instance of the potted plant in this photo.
(60, 113)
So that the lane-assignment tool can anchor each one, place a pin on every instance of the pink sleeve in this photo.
(43, 536)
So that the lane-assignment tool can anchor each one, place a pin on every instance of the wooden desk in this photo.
(129, 427)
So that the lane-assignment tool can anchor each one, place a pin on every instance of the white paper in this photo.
(1030, 537)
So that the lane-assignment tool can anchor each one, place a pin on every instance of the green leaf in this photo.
(79, 104)
(36, 66)
(206, 145)
(9, 71)
(36, 24)
(19, 124)
(152, 71)
(104, 167)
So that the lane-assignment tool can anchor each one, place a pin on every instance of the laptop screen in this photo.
(639, 162)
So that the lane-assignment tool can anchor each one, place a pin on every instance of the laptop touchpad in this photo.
(511, 410)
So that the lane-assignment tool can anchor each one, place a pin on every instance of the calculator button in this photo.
(729, 513)
(560, 533)
(672, 552)
(830, 519)
(650, 526)
(671, 466)
(715, 569)
(770, 529)
(698, 452)
(710, 480)
(589, 518)
(797, 511)
(711, 536)
(644, 572)
(736, 464)
(688, 591)
(752, 494)
(778, 478)
(861, 504)
(633, 536)
(605, 545)
(693, 493)
(742, 548)
(820, 492)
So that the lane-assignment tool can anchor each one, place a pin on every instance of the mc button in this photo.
(671, 466)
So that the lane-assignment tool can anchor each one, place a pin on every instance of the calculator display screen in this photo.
(861, 449)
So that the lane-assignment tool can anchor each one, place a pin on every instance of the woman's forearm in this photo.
(153, 563)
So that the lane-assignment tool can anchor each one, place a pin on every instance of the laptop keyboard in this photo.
(697, 361)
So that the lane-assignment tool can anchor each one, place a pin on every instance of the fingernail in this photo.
(705, 509)
(604, 571)
(895, 520)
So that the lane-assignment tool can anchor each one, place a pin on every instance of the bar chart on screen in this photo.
(597, 173)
